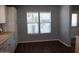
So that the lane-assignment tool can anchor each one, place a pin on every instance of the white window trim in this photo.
(77, 19)
(39, 22)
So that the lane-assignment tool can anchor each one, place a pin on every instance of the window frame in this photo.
(39, 23)
(45, 22)
(77, 19)
(32, 23)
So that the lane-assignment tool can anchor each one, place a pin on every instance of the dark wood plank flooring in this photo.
(44, 47)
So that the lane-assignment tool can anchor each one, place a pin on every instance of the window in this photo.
(38, 22)
(32, 23)
(45, 22)
(74, 19)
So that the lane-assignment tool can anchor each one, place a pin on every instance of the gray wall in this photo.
(22, 26)
(65, 24)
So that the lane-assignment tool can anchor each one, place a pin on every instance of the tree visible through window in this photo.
(38, 22)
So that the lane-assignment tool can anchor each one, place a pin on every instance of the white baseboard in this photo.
(45, 41)
(64, 43)
(38, 41)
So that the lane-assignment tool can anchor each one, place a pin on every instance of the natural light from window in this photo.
(32, 22)
(45, 22)
(38, 22)
(74, 19)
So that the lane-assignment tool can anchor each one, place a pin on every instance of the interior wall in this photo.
(22, 22)
(65, 24)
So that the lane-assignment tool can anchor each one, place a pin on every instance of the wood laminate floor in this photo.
(44, 47)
